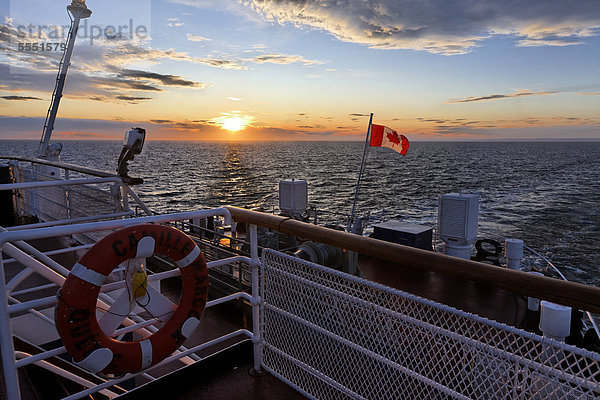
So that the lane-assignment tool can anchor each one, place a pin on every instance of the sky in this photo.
(305, 70)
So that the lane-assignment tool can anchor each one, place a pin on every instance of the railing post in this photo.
(17, 195)
(34, 197)
(67, 195)
(9, 366)
(125, 197)
(256, 299)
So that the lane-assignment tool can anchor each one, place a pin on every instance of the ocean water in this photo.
(546, 193)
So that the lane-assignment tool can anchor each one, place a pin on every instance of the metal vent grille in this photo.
(452, 221)
(335, 336)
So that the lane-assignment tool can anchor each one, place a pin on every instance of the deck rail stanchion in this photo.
(67, 195)
(256, 299)
(9, 368)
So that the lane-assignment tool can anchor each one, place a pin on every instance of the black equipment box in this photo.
(413, 235)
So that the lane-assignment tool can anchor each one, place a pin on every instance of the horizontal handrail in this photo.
(75, 220)
(107, 225)
(109, 287)
(66, 374)
(116, 381)
(571, 294)
(36, 184)
(66, 166)
(564, 278)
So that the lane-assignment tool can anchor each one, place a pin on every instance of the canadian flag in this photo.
(382, 136)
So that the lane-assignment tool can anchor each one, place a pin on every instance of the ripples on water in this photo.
(545, 193)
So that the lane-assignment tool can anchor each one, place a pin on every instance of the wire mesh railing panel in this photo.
(336, 336)
(66, 202)
(87, 200)
(46, 203)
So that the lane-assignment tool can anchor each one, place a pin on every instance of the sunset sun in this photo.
(233, 123)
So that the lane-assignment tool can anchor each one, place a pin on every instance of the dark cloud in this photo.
(167, 80)
(27, 124)
(360, 115)
(283, 133)
(191, 125)
(441, 26)
(132, 99)
(81, 135)
(219, 63)
(20, 98)
(282, 59)
(500, 96)
(95, 73)
(461, 127)
(437, 121)
(90, 85)
(112, 83)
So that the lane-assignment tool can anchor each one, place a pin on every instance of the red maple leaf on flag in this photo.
(393, 137)
(382, 136)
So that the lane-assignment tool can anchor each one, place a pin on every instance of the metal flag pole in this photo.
(362, 165)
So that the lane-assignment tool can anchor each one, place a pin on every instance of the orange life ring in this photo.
(76, 319)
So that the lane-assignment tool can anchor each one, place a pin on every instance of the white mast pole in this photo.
(79, 10)
(362, 165)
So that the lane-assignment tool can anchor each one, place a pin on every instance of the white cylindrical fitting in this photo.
(533, 304)
(555, 320)
(459, 251)
(513, 251)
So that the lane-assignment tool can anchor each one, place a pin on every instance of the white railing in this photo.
(590, 318)
(49, 193)
(333, 335)
(323, 332)
(52, 202)
(12, 243)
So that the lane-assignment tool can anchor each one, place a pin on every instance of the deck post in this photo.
(9, 367)
(362, 166)
(256, 300)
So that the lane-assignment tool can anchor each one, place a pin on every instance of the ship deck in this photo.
(229, 375)
(483, 300)
(226, 375)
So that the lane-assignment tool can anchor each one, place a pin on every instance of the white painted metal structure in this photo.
(513, 251)
(293, 196)
(457, 223)
(10, 308)
(333, 335)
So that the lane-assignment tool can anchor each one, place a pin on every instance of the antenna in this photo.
(77, 10)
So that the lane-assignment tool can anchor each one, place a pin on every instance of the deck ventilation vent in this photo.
(293, 196)
(457, 221)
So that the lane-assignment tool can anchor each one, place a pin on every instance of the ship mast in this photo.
(77, 10)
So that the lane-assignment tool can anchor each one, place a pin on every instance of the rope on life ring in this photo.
(75, 317)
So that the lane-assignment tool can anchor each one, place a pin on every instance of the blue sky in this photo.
(311, 70)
